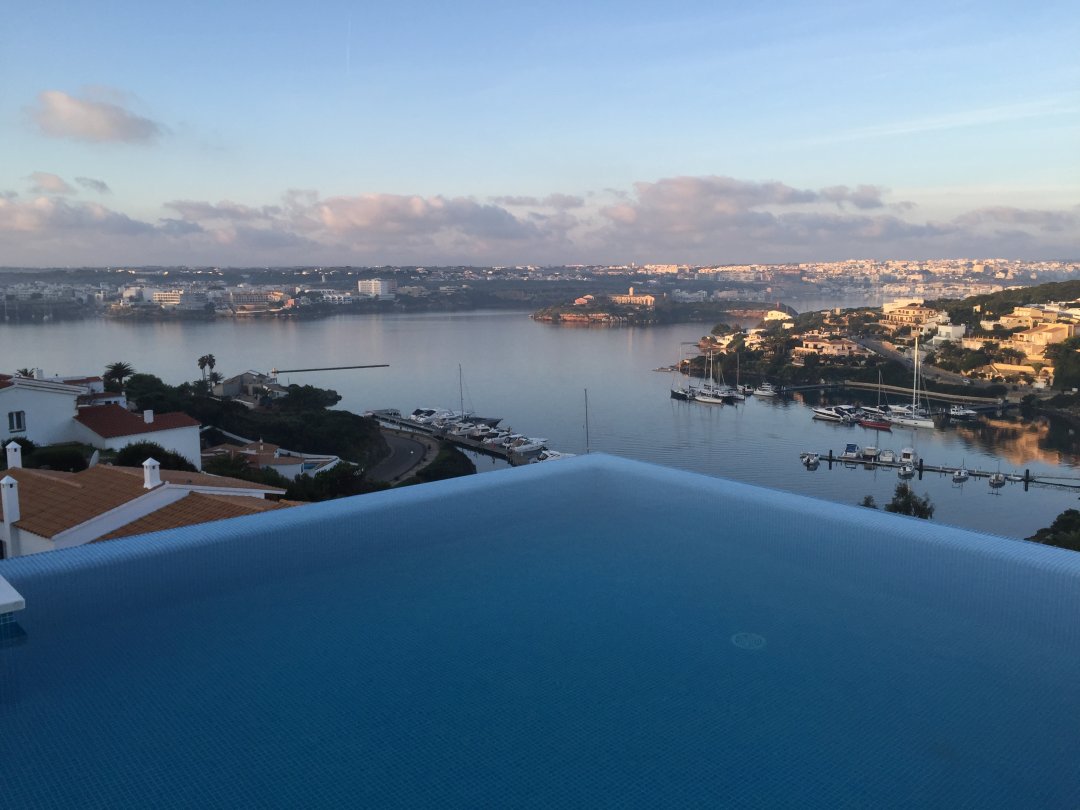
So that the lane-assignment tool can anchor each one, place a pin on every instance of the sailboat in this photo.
(710, 393)
(742, 389)
(914, 417)
(876, 418)
(683, 393)
(468, 416)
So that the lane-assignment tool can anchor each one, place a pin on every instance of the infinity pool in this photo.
(588, 633)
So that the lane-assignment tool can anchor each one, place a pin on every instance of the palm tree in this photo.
(205, 362)
(24, 372)
(214, 377)
(118, 372)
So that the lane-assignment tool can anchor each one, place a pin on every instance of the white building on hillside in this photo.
(384, 289)
(111, 427)
(38, 410)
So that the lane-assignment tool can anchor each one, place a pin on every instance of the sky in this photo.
(353, 133)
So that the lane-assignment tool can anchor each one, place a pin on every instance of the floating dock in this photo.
(1027, 479)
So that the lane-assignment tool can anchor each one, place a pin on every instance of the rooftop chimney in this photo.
(39, 374)
(151, 473)
(9, 499)
(148, 417)
(14, 455)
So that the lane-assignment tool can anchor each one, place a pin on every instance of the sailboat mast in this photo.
(915, 381)
(461, 391)
(586, 421)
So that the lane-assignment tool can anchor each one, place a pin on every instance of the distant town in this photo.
(36, 294)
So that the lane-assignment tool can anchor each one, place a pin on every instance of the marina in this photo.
(468, 432)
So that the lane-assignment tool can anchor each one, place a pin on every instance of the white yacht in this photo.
(960, 412)
(766, 390)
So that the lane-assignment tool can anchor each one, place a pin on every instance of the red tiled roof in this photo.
(51, 501)
(109, 421)
(193, 509)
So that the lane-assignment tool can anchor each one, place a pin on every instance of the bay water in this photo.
(535, 376)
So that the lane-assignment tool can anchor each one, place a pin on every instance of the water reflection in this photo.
(1046, 439)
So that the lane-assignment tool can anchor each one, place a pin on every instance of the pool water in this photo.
(588, 633)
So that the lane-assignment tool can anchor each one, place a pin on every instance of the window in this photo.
(16, 421)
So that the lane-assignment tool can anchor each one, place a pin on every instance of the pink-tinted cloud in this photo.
(60, 115)
(48, 183)
(700, 220)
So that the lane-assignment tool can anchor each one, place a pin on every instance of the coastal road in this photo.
(930, 372)
(407, 455)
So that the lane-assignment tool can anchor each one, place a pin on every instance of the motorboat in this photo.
(686, 394)
(810, 460)
(997, 480)
(962, 413)
(851, 452)
(550, 455)
(906, 471)
(525, 445)
(428, 416)
(766, 390)
(909, 456)
(960, 476)
(848, 414)
(887, 457)
(870, 453)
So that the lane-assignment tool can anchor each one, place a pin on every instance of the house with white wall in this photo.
(110, 427)
(37, 409)
(47, 510)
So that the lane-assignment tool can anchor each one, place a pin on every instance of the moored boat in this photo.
(962, 413)
(766, 389)
(875, 424)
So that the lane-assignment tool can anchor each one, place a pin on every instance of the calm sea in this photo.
(535, 376)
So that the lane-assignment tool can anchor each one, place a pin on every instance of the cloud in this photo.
(60, 115)
(8, 195)
(55, 217)
(197, 211)
(377, 216)
(100, 186)
(698, 220)
(861, 196)
(1048, 221)
(47, 183)
(559, 201)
